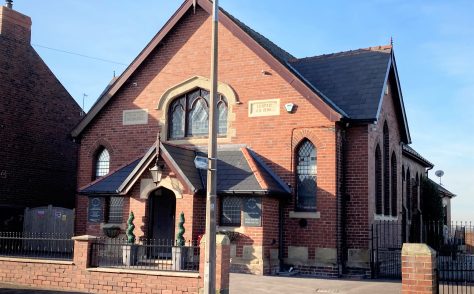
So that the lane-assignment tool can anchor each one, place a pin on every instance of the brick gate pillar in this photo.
(418, 269)
(222, 263)
(82, 248)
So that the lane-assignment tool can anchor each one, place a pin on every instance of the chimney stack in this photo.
(14, 25)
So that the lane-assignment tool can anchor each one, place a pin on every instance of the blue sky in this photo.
(434, 48)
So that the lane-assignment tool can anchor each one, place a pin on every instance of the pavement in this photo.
(250, 284)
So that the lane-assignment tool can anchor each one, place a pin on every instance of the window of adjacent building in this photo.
(102, 163)
(378, 181)
(306, 169)
(231, 210)
(188, 115)
(394, 184)
(116, 210)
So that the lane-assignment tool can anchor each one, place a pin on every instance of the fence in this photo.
(385, 259)
(36, 245)
(148, 254)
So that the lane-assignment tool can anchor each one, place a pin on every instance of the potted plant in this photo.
(179, 252)
(129, 251)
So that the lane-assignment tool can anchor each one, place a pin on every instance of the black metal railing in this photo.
(36, 245)
(147, 254)
(455, 259)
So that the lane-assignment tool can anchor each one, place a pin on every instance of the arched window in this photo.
(386, 170)
(102, 163)
(188, 115)
(378, 180)
(415, 194)
(408, 193)
(306, 170)
(394, 184)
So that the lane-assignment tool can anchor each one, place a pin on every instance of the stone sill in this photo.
(32, 260)
(384, 217)
(144, 272)
(303, 214)
(231, 229)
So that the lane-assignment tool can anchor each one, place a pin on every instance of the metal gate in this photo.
(49, 220)
(386, 250)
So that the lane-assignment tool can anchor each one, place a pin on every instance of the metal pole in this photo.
(210, 257)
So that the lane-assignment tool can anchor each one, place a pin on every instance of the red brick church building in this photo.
(311, 150)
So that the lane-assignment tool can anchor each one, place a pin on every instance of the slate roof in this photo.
(110, 183)
(353, 80)
(408, 151)
(234, 174)
(444, 192)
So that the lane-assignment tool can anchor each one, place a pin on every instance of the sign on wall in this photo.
(135, 117)
(252, 211)
(264, 107)
(96, 210)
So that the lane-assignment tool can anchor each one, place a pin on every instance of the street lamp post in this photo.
(210, 254)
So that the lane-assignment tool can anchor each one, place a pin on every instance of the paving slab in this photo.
(251, 284)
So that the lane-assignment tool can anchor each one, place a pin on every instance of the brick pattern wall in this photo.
(38, 159)
(418, 269)
(183, 54)
(76, 276)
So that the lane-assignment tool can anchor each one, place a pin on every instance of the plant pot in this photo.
(179, 256)
(129, 254)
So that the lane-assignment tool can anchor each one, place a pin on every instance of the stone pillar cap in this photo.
(85, 238)
(417, 249)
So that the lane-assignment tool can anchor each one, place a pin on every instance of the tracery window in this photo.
(188, 115)
(306, 170)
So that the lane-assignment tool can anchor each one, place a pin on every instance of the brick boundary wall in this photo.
(418, 269)
(77, 276)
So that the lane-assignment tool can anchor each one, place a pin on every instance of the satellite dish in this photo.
(439, 174)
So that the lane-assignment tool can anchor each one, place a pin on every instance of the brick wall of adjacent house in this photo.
(78, 276)
(38, 157)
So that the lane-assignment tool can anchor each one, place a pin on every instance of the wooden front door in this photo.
(162, 216)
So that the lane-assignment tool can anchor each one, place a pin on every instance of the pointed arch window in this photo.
(386, 170)
(306, 170)
(394, 184)
(188, 115)
(408, 193)
(378, 181)
(102, 163)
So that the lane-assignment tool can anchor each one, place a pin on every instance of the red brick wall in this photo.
(75, 276)
(185, 53)
(38, 159)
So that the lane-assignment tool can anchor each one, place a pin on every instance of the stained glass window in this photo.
(102, 163)
(222, 123)
(306, 170)
(116, 210)
(231, 211)
(198, 122)
(189, 115)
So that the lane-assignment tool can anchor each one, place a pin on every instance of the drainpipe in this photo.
(341, 203)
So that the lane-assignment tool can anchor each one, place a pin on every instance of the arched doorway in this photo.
(161, 215)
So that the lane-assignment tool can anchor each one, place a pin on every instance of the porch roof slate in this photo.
(235, 175)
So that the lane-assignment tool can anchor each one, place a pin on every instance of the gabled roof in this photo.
(354, 80)
(239, 172)
(261, 46)
(411, 153)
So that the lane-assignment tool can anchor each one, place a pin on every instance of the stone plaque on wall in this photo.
(252, 211)
(96, 210)
(135, 117)
(264, 107)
